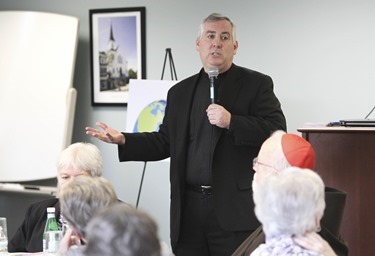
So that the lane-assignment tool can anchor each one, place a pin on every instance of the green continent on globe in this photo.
(150, 117)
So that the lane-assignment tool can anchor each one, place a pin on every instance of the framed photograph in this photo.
(117, 40)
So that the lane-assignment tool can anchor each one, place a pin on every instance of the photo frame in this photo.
(117, 42)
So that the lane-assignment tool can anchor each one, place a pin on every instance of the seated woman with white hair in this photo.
(79, 159)
(289, 204)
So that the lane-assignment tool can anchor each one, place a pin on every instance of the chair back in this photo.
(334, 211)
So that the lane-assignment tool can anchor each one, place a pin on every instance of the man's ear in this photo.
(197, 43)
(235, 47)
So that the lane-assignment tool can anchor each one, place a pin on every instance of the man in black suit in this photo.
(210, 145)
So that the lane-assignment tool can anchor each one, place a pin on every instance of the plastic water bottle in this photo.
(51, 235)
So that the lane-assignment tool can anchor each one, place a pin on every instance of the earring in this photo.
(318, 229)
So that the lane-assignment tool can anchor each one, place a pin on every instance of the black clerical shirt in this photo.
(199, 160)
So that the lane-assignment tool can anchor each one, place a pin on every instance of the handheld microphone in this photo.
(213, 72)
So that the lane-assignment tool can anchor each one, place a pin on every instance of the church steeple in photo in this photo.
(112, 41)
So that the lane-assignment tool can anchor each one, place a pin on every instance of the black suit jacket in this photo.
(248, 95)
(29, 236)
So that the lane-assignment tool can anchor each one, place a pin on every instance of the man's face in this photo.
(264, 164)
(263, 167)
(216, 46)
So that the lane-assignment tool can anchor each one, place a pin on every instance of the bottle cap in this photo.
(51, 209)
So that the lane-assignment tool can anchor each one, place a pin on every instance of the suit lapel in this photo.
(185, 98)
(231, 88)
(228, 96)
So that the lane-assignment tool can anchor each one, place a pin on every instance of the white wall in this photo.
(321, 55)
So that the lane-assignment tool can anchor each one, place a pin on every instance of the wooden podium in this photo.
(345, 159)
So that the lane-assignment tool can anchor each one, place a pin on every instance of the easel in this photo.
(168, 53)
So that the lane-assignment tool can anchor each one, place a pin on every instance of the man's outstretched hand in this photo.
(107, 134)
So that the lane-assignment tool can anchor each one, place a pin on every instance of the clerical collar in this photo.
(221, 75)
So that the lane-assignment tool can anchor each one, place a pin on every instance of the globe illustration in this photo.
(150, 117)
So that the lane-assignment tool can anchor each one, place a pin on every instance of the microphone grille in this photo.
(213, 72)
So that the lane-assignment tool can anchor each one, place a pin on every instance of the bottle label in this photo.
(52, 241)
(4, 246)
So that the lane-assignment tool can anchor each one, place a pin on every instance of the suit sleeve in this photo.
(264, 115)
(150, 146)
(146, 146)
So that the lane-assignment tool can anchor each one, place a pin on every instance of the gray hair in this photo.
(82, 156)
(83, 197)
(287, 203)
(217, 17)
(122, 230)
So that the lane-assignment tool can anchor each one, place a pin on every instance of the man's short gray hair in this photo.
(217, 17)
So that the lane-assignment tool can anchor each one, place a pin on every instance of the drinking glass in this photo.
(3, 237)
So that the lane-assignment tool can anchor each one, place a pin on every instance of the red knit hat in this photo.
(298, 151)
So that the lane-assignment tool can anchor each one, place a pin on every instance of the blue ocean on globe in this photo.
(150, 117)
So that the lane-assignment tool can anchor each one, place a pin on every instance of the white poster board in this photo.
(37, 100)
(147, 99)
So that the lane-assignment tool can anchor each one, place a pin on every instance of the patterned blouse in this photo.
(281, 246)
